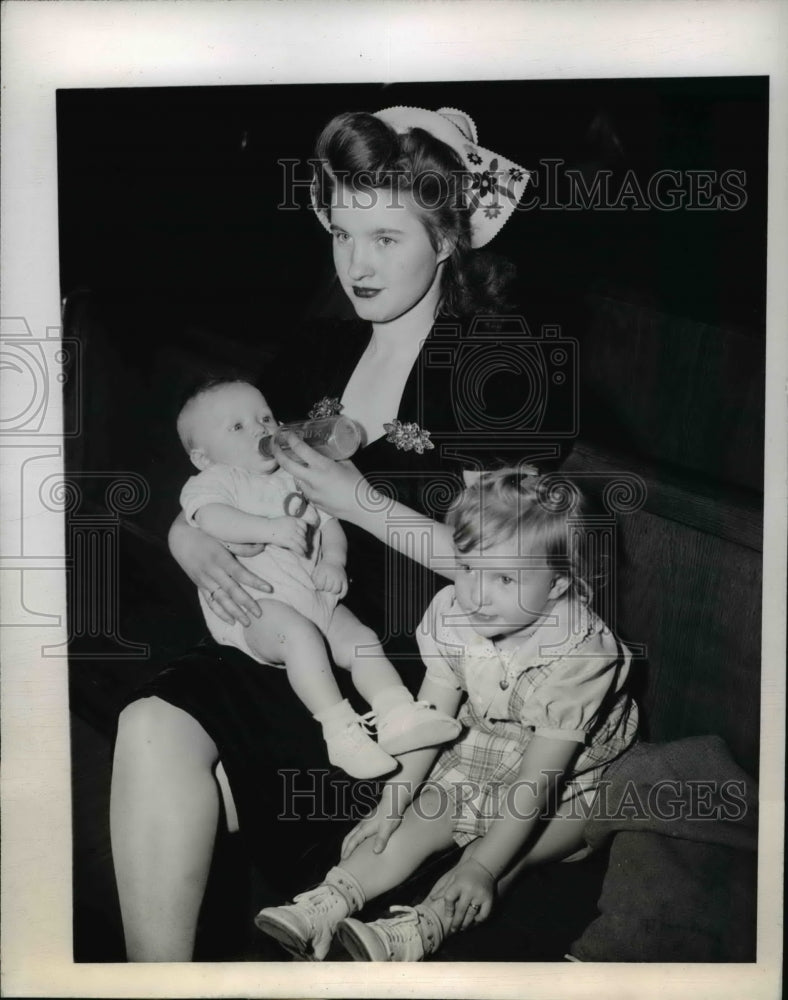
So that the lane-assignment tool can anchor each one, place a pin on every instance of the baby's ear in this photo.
(199, 459)
(560, 587)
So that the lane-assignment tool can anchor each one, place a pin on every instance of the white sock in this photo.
(336, 717)
(386, 699)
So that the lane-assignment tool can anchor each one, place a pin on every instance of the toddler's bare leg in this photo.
(424, 830)
(164, 809)
(558, 838)
(283, 635)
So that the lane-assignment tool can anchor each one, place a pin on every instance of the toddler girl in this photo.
(242, 496)
(546, 712)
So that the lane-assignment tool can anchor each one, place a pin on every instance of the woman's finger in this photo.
(233, 595)
(219, 599)
(304, 455)
(246, 578)
(218, 610)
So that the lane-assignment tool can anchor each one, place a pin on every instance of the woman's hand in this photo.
(380, 824)
(468, 893)
(216, 572)
(336, 487)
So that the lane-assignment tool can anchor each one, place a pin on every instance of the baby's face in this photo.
(226, 427)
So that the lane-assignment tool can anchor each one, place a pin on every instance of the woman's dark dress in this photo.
(287, 794)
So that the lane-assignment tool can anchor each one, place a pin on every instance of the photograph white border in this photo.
(125, 43)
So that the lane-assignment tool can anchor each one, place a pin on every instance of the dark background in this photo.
(174, 255)
(175, 191)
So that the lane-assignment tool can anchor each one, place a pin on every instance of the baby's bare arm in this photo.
(334, 547)
(232, 525)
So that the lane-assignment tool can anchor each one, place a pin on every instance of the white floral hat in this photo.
(496, 184)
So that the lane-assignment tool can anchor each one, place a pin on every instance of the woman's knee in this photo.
(152, 723)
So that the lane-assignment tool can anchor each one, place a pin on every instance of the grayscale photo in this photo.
(413, 503)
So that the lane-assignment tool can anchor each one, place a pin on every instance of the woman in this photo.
(406, 193)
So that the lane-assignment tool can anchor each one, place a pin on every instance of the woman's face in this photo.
(382, 253)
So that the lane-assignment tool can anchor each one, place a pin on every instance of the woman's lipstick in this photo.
(365, 293)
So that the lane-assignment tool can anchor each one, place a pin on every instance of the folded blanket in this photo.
(681, 881)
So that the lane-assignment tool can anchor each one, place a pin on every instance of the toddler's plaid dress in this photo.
(566, 686)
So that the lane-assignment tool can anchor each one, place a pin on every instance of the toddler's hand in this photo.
(289, 533)
(331, 577)
(380, 824)
(468, 893)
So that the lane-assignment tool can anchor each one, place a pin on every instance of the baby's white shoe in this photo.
(352, 749)
(349, 744)
(415, 724)
(415, 932)
(306, 926)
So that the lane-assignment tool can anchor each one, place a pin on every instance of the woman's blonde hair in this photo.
(548, 511)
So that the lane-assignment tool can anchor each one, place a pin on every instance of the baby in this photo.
(242, 496)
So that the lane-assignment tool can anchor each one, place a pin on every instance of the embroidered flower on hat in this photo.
(328, 406)
(473, 156)
(516, 174)
(408, 437)
(492, 211)
(485, 183)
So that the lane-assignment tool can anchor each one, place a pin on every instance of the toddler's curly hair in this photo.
(547, 513)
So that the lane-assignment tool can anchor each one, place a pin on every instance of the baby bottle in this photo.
(335, 437)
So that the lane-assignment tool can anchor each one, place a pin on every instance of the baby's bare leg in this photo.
(282, 635)
(403, 724)
(356, 648)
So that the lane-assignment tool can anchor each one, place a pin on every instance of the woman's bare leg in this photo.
(164, 809)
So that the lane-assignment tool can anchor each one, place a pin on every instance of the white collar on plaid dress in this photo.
(539, 649)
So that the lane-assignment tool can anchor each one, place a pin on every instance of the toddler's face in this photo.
(502, 590)
(227, 425)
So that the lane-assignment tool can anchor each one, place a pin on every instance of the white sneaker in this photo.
(306, 926)
(408, 937)
(351, 748)
(415, 724)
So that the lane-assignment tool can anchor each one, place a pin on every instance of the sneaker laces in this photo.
(322, 898)
(399, 928)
